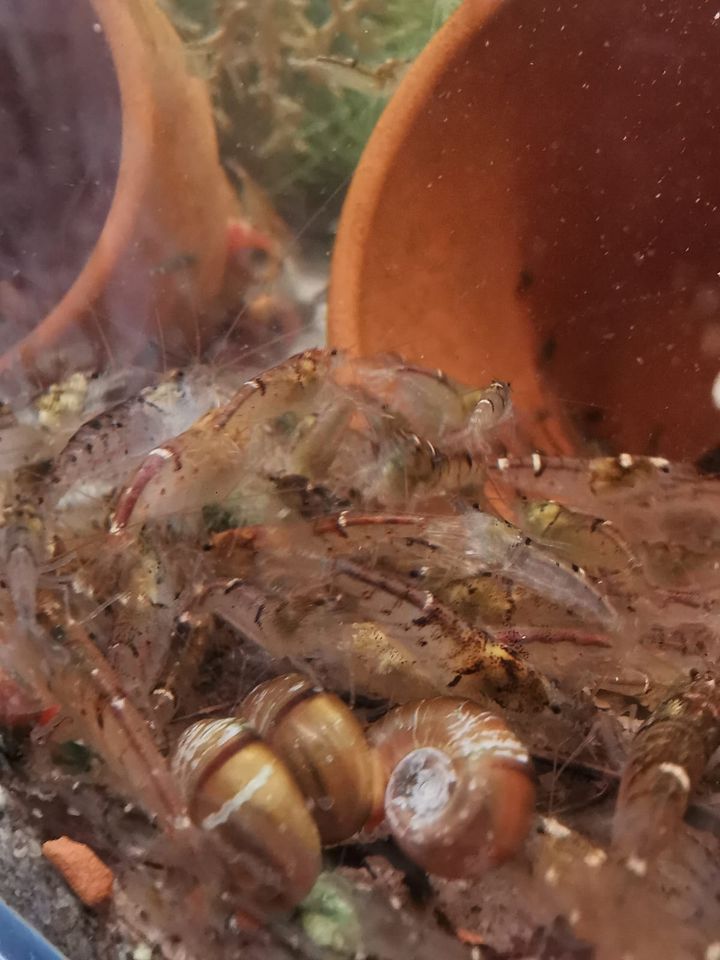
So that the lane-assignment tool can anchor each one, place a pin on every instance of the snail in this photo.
(297, 772)
(460, 792)
(323, 745)
(236, 786)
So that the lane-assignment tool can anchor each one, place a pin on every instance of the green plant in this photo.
(291, 109)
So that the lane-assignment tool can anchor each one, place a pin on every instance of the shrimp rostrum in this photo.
(331, 611)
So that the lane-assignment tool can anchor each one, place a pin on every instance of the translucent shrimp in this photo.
(478, 538)
(668, 757)
(110, 442)
(62, 665)
(618, 489)
(210, 459)
(428, 402)
(323, 517)
(442, 548)
(290, 422)
(22, 546)
(487, 409)
(425, 401)
(590, 541)
(665, 518)
(40, 430)
(407, 469)
(301, 609)
(605, 903)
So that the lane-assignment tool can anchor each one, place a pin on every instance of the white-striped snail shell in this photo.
(236, 786)
(460, 792)
(455, 783)
(323, 745)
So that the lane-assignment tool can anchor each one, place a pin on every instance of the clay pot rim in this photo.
(132, 70)
(384, 145)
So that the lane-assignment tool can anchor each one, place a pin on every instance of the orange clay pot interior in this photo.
(540, 202)
(113, 206)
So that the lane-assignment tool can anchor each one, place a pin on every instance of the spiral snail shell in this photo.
(323, 745)
(460, 792)
(236, 786)
(298, 772)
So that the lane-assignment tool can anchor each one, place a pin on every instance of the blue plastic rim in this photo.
(18, 941)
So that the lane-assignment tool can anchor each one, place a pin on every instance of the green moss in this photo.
(72, 756)
(297, 129)
(218, 518)
(329, 917)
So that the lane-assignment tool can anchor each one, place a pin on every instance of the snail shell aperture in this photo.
(457, 784)
(460, 792)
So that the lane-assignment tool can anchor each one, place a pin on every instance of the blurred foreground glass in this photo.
(113, 206)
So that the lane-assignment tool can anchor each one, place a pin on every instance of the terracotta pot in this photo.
(113, 205)
(540, 202)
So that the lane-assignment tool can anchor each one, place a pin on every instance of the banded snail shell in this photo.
(237, 787)
(460, 792)
(323, 745)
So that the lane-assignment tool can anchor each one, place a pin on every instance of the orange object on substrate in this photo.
(83, 871)
(20, 709)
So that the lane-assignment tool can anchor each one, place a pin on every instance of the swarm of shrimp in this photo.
(356, 522)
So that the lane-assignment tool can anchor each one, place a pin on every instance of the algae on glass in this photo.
(294, 121)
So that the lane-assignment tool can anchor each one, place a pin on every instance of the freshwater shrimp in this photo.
(174, 477)
(288, 422)
(350, 520)
(668, 756)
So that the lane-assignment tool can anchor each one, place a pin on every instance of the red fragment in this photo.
(18, 708)
(243, 236)
(469, 936)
